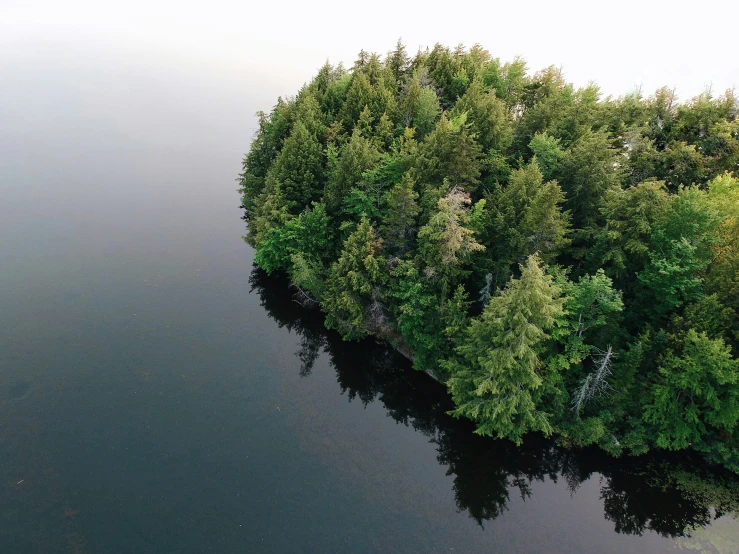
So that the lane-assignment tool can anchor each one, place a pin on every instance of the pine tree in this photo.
(631, 215)
(696, 394)
(446, 242)
(507, 226)
(299, 168)
(398, 227)
(489, 119)
(449, 152)
(359, 95)
(356, 157)
(353, 282)
(589, 171)
(498, 364)
(545, 227)
(398, 60)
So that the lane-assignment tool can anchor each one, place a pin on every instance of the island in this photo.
(566, 263)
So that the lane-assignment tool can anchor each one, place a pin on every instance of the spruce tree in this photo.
(353, 283)
(696, 394)
(497, 365)
(398, 227)
(299, 169)
(356, 157)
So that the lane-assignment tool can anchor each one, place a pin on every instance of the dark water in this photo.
(158, 395)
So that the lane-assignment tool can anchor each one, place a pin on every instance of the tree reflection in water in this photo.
(670, 495)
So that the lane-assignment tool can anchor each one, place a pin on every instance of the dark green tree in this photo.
(696, 393)
(399, 223)
(353, 283)
(357, 156)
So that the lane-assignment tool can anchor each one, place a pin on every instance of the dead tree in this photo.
(595, 383)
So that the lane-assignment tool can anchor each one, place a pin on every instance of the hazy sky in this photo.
(620, 45)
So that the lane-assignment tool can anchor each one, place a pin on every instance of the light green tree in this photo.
(498, 361)
(446, 242)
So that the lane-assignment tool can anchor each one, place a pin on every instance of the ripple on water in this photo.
(19, 390)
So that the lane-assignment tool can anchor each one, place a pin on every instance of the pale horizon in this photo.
(285, 44)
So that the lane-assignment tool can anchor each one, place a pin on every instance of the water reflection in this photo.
(670, 495)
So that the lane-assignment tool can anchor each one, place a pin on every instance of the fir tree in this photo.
(498, 363)
(399, 224)
(352, 283)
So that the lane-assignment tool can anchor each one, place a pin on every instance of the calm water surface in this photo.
(158, 395)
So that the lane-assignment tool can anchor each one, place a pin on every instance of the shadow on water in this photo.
(673, 496)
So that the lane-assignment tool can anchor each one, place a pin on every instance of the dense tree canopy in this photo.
(566, 263)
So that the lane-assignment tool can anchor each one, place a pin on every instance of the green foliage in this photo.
(449, 153)
(589, 171)
(672, 276)
(544, 226)
(426, 111)
(446, 242)
(308, 274)
(273, 128)
(298, 168)
(309, 235)
(394, 192)
(356, 157)
(498, 362)
(399, 224)
(488, 118)
(680, 253)
(591, 303)
(631, 216)
(525, 217)
(352, 283)
(417, 314)
(696, 394)
(549, 153)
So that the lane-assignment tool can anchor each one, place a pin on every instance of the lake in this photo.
(160, 395)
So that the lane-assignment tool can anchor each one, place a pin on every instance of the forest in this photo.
(566, 263)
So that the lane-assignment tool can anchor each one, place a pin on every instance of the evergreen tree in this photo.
(273, 129)
(696, 394)
(589, 171)
(498, 363)
(545, 227)
(426, 111)
(356, 157)
(488, 117)
(446, 242)
(631, 216)
(399, 224)
(299, 169)
(525, 217)
(352, 283)
(309, 235)
(417, 312)
(549, 154)
(398, 60)
(449, 152)
(474, 171)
